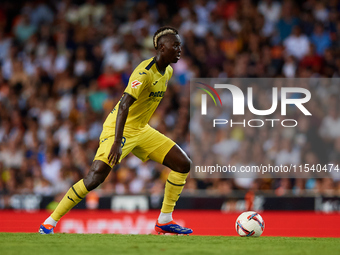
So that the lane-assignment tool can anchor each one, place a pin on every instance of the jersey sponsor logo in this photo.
(142, 73)
(135, 83)
(157, 94)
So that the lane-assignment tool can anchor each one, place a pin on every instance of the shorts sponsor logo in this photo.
(135, 83)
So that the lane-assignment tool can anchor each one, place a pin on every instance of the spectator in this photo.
(311, 60)
(288, 154)
(321, 39)
(51, 168)
(289, 67)
(118, 59)
(11, 156)
(287, 22)
(41, 14)
(271, 10)
(5, 44)
(330, 126)
(91, 13)
(297, 44)
(24, 30)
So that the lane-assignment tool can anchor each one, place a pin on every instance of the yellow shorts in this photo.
(147, 144)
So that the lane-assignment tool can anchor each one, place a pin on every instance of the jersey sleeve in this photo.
(139, 80)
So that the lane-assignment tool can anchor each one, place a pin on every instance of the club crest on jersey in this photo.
(135, 83)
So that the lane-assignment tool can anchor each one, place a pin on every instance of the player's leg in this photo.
(179, 163)
(97, 174)
(157, 147)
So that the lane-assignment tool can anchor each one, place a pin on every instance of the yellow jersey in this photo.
(147, 85)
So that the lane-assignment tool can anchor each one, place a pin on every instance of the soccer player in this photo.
(126, 130)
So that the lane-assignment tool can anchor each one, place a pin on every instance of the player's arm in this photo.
(138, 81)
(123, 110)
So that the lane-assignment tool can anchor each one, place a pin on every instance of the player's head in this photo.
(168, 44)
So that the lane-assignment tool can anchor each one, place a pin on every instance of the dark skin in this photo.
(169, 50)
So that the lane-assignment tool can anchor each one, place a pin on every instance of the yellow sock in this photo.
(73, 196)
(173, 189)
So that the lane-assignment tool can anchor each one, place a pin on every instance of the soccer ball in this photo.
(249, 224)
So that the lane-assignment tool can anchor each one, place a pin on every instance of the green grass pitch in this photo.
(64, 244)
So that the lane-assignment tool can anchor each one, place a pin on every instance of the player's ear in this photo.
(161, 44)
(161, 47)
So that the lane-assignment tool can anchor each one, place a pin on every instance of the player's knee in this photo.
(96, 175)
(188, 166)
(92, 184)
(184, 165)
(92, 181)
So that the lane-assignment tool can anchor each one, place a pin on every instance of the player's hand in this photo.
(115, 154)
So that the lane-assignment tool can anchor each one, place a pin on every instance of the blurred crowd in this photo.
(64, 65)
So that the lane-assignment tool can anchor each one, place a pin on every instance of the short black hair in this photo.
(161, 32)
